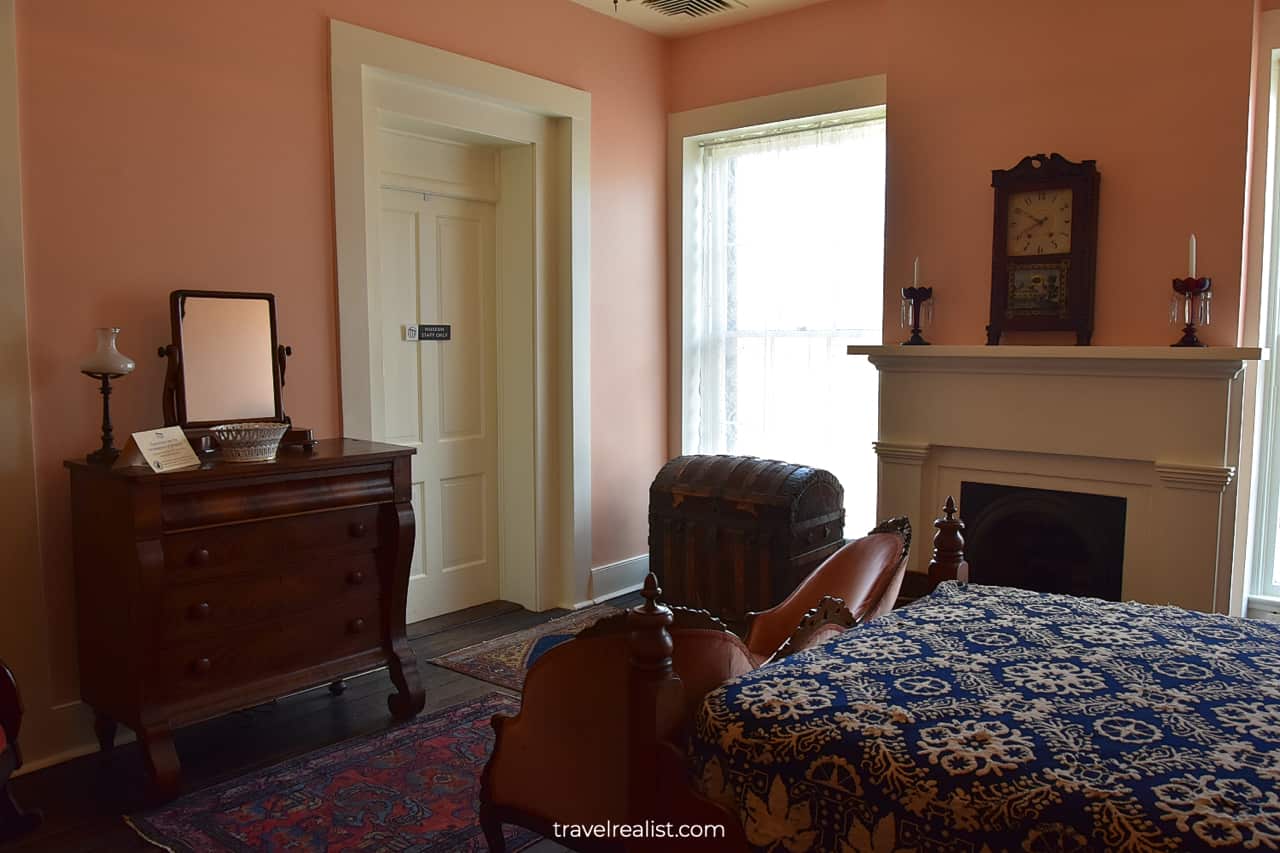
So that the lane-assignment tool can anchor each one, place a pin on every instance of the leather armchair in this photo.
(865, 576)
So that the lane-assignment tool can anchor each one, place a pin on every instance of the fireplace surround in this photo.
(1155, 426)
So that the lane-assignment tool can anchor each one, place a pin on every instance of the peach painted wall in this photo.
(187, 145)
(975, 86)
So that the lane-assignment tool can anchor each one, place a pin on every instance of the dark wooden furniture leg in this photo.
(13, 820)
(161, 758)
(409, 697)
(492, 826)
(105, 728)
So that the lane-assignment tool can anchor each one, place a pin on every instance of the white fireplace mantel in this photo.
(1168, 362)
(1159, 426)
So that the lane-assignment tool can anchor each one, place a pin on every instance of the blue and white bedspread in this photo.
(994, 719)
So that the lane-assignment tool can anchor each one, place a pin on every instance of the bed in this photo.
(979, 718)
(991, 719)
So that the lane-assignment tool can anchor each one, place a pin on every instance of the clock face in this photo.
(1039, 223)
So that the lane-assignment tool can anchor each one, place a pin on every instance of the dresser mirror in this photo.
(225, 362)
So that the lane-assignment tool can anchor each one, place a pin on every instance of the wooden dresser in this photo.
(205, 591)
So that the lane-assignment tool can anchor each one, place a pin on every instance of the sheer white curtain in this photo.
(789, 259)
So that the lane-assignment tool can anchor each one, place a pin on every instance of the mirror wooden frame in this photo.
(174, 401)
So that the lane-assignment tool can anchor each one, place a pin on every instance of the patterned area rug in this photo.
(413, 789)
(504, 660)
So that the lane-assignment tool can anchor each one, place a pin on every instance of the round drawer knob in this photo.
(355, 626)
(357, 529)
(826, 530)
(199, 611)
(355, 578)
(201, 666)
(200, 557)
(812, 536)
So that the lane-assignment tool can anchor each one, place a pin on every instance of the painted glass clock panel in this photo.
(1038, 290)
(1039, 223)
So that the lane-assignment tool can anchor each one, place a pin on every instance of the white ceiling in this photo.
(636, 13)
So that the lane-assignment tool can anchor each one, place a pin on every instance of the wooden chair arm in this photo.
(826, 620)
(866, 573)
(692, 618)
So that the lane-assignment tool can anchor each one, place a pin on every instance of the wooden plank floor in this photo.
(83, 800)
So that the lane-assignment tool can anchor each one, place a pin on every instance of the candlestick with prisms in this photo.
(1192, 298)
(916, 309)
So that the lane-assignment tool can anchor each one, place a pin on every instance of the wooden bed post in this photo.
(658, 787)
(655, 694)
(948, 561)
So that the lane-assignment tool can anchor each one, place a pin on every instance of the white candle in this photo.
(915, 275)
(1192, 259)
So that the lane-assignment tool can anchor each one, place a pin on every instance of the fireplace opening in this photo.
(1042, 540)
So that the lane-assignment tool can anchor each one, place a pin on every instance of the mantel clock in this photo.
(1044, 247)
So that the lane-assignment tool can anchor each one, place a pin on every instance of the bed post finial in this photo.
(651, 592)
(948, 561)
(650, 625)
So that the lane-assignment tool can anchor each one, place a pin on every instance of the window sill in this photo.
(1263, 607)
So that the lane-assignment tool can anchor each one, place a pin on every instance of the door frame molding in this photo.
(54, 732)
(554, 470)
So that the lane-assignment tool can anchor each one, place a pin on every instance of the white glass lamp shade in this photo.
(106, 358)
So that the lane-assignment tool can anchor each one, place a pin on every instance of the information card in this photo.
(159, 449)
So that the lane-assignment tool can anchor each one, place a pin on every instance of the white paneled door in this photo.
(437, 258)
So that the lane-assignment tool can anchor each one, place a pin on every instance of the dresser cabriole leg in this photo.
(163, 767)
(409, 698)
(105, 728)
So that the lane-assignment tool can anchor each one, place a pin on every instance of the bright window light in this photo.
(789, 245)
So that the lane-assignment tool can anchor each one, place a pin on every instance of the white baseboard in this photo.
(616, 579)
(72, 721)
(76, 751)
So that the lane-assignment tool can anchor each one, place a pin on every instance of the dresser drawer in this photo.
(193, 610)
(270, 648)
(202, 504)
(215, 551)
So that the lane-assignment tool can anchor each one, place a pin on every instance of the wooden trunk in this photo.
(734, 534)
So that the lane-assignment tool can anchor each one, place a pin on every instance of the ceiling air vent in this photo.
(692, 8)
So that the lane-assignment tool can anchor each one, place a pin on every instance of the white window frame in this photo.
(1258, 508)
(684, 131)
(696, 174)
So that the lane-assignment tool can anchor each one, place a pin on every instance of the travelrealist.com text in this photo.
(646, 829)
